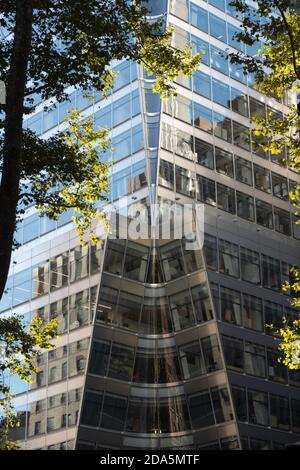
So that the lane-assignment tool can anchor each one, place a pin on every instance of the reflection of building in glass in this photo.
(162, 347)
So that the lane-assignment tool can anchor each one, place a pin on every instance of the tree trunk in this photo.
(12, 150)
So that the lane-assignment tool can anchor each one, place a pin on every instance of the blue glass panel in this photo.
(31, 228)
(203, 117)
(218, 60)
(218, 4)
(237, 73)
(202, 84)
(218, 28)
(202, 47)
(199, 17)
(221, 93)
(232, 40)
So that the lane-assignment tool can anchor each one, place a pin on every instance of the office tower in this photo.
(164, 347)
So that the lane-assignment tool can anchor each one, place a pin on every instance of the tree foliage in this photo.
(277, 70)
(19, 346)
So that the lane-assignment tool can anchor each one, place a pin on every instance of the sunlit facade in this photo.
(162, 347)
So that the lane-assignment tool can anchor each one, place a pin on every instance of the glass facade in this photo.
(162, 347)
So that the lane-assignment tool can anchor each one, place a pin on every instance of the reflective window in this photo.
(255, 362)
(240, 403)
(218, 60)
(221, 93)
(172, 260)
(99, 358)
(276, 370)
(243, 171)
(296, 415)
(204, 153)
(229, 258)
(222, 127)
(239, 102)
(271, 273)
(31, 228)
(199, 17)
(202, 304)
(224, 162)
(184, 145)
(201, 410)
(218, 27)
(211, 352)
(136, 259)
(279, 412)
(206, 190)
(250, 266)
(231, 306)
(202, 84)
(113, 262)
(280, 187)
(182, 310)
(258, 408)
(226, 198)
(201, 47)
(192, 362)
(257, 108)
(185, 182)
(211, 252)
(129, 306)
(241, 135)
(273, 316)
(282, 221)
(91, 409)
(166, 174)
(221, 405)
(262, 179)
(264, 214)
(232, 39)
(114, 413)
(203, 118)
(155, 318)
(245, 206)
(121, 363)
(234, 353)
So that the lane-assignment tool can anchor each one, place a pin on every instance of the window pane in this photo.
(221, 405)
(218, 28)
(211, 353)
(166, 174)
(239, 102)
(114, 413)
(255, 362)
(221, 93)
(229, 258)
(201, 410)
(218, 60)
(203, 118)
(252, 312)
(250, 266)
(264, 214)
(280, 187)
(282, 221)
(234, 353)
(204, 153)
(222, 127)
(271, 273)
(262, 179)
(241, 136)
(243, 171)
(279, 412)
(224, 162)
(258, 408)
(182, 310)
(199, 17)
(202, 84)
(206, 190)
(91, 409)
(226, 198)
(231, 306)
(245, 206)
